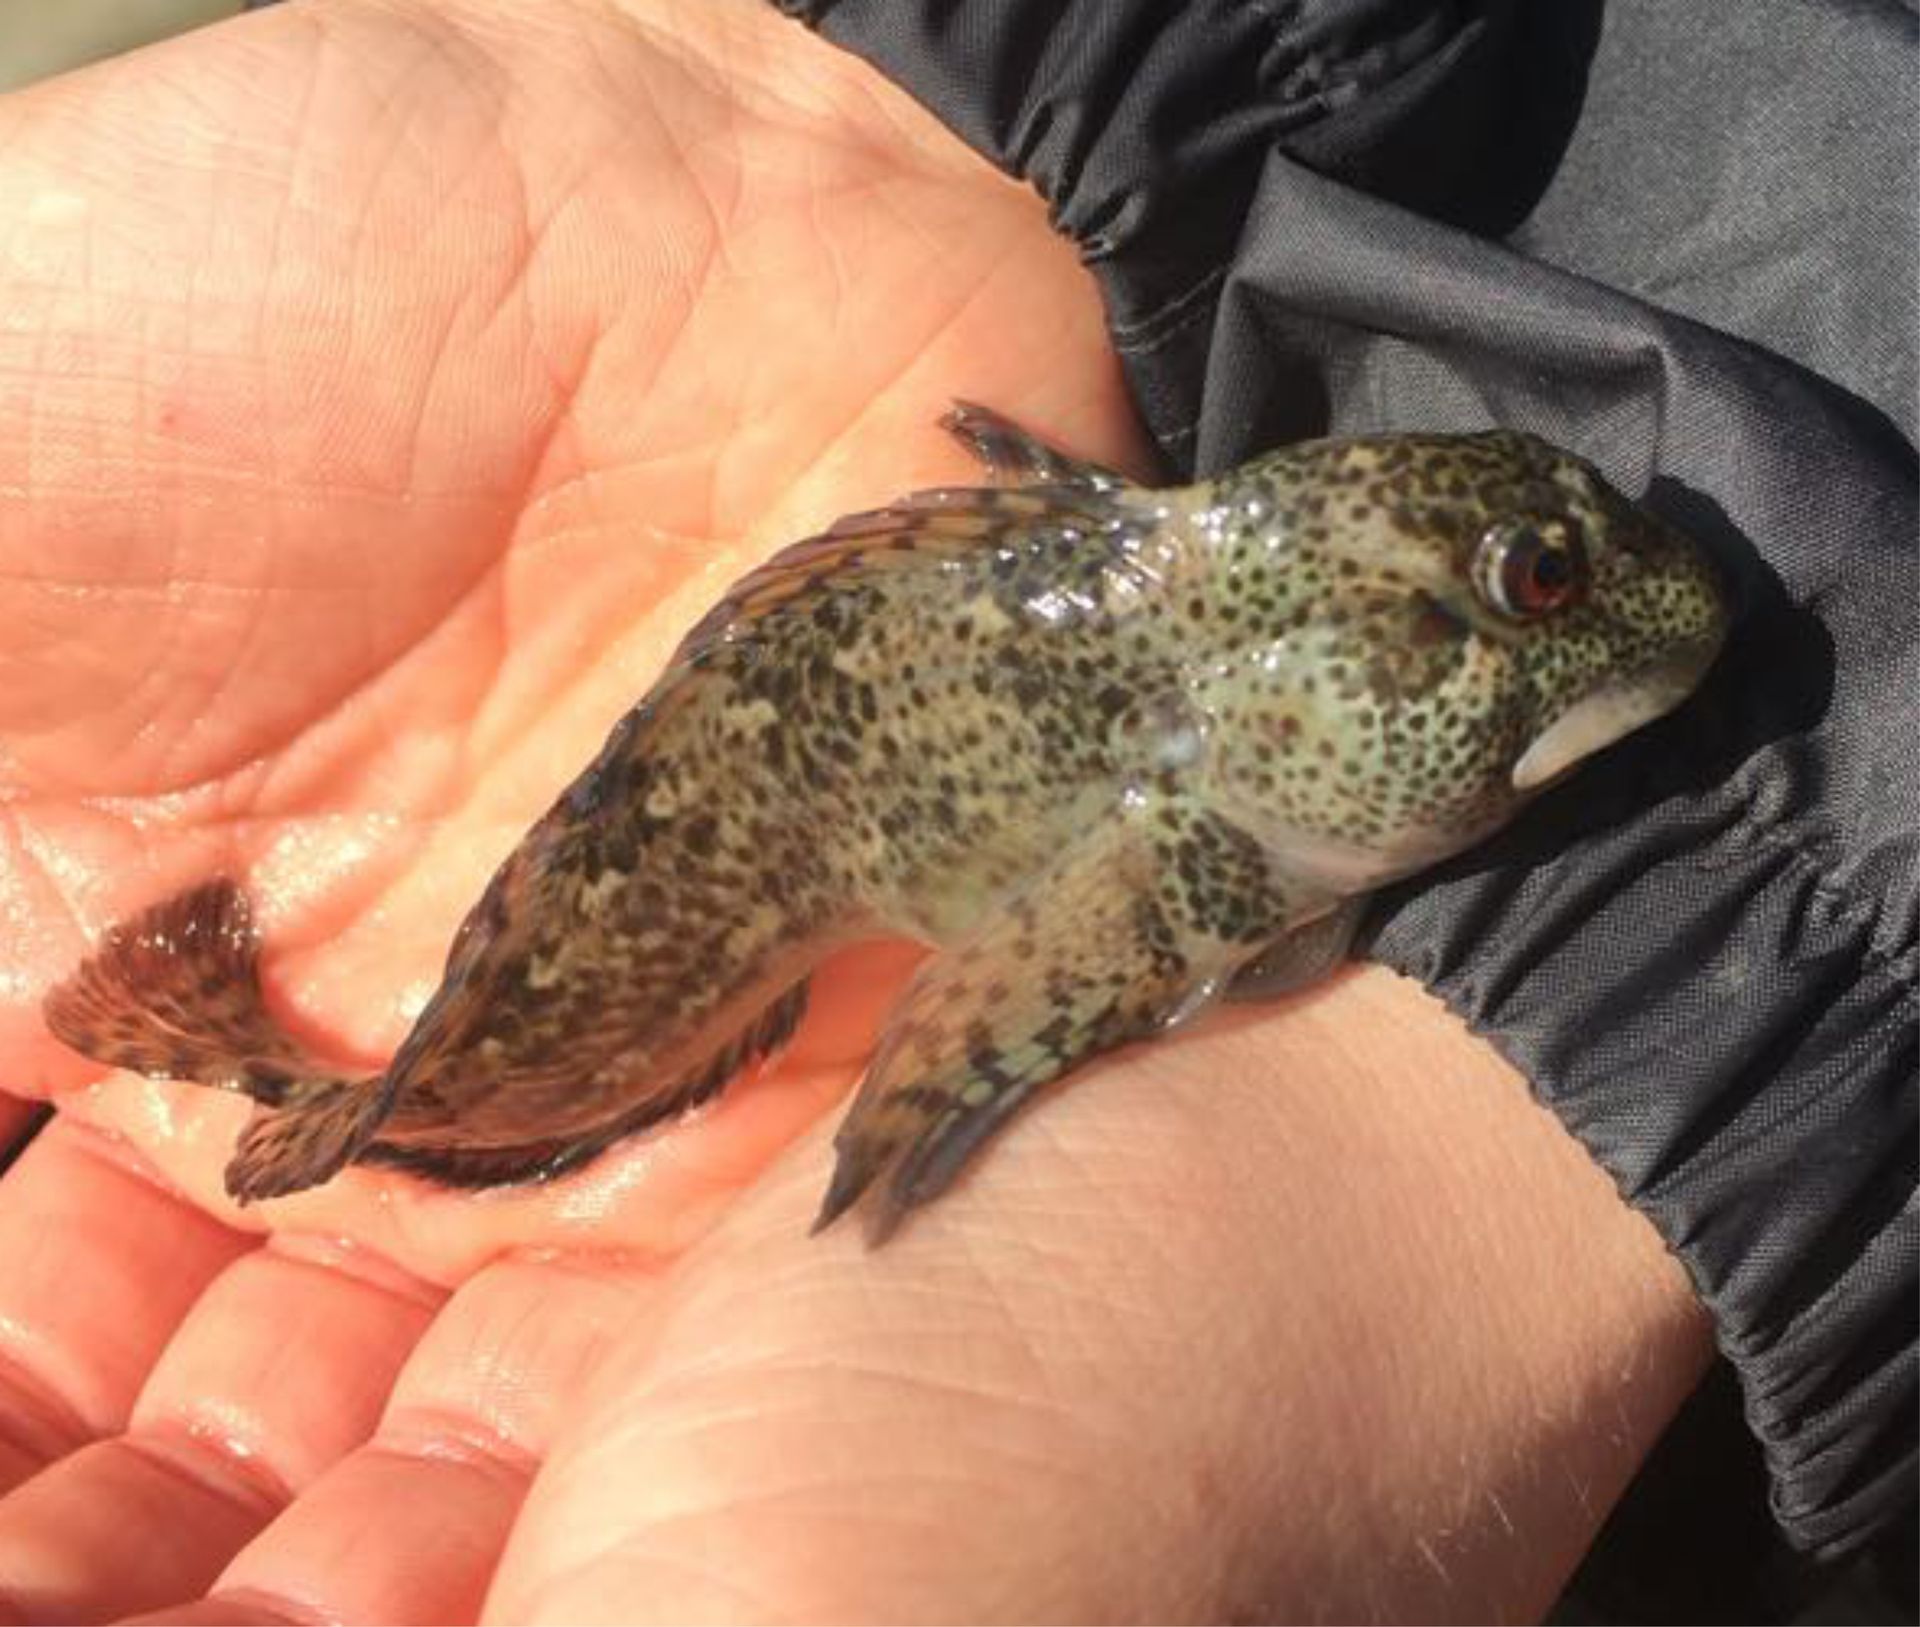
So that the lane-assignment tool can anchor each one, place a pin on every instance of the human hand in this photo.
(385, 390)
(334, 560)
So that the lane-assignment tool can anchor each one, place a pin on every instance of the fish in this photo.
(1112, 752)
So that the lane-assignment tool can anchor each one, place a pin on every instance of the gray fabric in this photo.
(1678, 238)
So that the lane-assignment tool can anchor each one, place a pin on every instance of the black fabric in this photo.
(1680, 240)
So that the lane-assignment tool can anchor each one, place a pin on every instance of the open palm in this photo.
(379, 430)
(382, 392)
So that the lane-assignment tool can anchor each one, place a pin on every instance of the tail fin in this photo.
(174, 993)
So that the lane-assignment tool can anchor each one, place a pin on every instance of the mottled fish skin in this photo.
(1112, 751)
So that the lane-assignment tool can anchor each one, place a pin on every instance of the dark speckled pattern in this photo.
(1101, 745)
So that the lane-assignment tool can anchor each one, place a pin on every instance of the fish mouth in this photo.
(1612, 712)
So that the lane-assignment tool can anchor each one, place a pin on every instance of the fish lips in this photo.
(1612, 712)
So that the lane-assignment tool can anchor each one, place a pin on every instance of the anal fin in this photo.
(320, 1128)
(549, 1158)
(476, 1168)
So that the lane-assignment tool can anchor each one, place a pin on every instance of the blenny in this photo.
(1112, 751)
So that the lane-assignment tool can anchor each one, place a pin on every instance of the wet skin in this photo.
(1111, 750)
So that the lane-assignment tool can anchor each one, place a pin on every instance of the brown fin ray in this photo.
(1137, 926)
(942, 521)
(174, 993)
(1140, 923)
(548, 1159)
(1040, 987)
(476, 1168)
(1015, 457)
(323, 1126)
(1302, 956)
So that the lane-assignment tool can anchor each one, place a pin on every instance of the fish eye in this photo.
(1522, 571)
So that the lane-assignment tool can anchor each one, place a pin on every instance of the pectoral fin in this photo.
(1301, 956)
(1133, 930)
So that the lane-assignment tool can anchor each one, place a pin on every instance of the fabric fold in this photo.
(1686, 253)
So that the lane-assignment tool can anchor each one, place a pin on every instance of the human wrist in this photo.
(1313, 1313)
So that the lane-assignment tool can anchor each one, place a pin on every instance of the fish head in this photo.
(1473, 616)
(1604, 615)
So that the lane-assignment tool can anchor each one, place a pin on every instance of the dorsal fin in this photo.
(1013, 457)
(951, 522)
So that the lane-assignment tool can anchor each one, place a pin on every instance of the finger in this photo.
(410, 1526)
(224, 1612)
(279, 1370)
(118, 1526)
(97, 1267)
(287, 1360)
